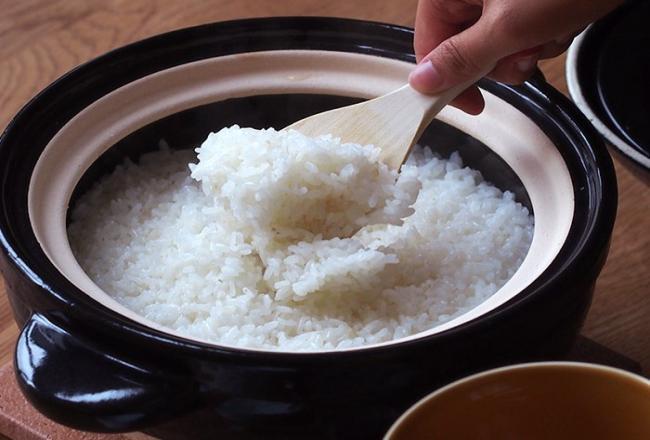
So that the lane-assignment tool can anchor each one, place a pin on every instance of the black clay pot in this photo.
(84, 364)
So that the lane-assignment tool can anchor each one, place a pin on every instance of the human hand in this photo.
(458, 40)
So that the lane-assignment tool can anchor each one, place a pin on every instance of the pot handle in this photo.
(80, 383)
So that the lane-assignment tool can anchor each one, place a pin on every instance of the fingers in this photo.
(459, 41)
(462, 58)
(518, 67)
(437, 20)
(430, 30)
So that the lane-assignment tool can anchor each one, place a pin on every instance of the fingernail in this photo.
(425, 77)
(526, 64)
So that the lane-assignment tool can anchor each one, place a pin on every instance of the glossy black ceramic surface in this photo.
(613, 69)
(89, 367)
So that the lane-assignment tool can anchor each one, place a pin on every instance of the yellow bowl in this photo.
(548, 400)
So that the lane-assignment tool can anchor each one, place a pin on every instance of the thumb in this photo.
(462, 58)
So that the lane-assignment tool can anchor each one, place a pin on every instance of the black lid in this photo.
(612, 71)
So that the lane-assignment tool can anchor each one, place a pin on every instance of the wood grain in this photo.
(392, 122)
(42, 39)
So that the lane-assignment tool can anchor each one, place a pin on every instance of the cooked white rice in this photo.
(279, 241)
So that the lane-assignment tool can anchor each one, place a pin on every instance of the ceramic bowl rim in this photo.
(540, 366)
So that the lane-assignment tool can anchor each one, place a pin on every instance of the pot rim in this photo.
(565, 119)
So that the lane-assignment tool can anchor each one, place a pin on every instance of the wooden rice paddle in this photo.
(392, 122)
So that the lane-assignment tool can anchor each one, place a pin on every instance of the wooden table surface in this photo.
(42, 39)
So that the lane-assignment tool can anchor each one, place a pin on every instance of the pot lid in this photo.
(608, 72)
